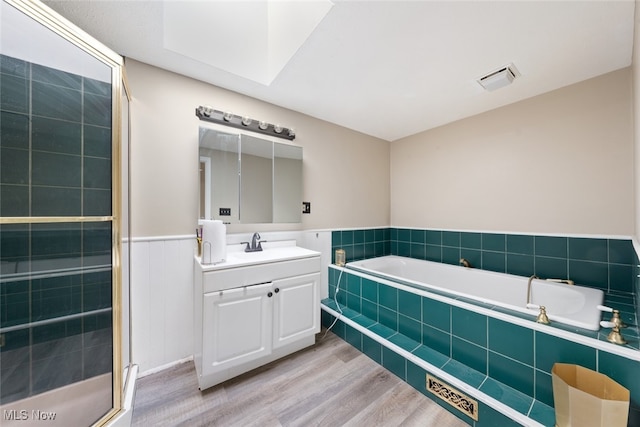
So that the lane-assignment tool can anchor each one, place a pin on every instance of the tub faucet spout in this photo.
(529, 287)
(465, 263)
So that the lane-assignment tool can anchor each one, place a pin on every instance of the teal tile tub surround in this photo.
(487, 352)
(608, 264)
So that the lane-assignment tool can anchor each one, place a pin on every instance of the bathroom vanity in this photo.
(254, 308)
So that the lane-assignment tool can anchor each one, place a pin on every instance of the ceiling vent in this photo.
(500, 78)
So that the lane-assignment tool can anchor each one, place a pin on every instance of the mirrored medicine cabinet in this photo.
(246, 179)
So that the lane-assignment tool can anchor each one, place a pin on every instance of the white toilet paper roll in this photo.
(214, 242)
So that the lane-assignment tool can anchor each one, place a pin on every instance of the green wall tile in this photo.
(394, 362)
(550, 246)
(621, 251)
(404, 235)
(551, 267)
(354, 302)
(56, 102)
(14, 166)
(511, 373)
(471, 240)
(513, 341)
(58, 170)
(587, 273)
(588, 249)
(450, 255)
(434, 237)
(494, 242)
(12, 199)
(417, 378)
(404, 249)
(418, 236)
(14, 66)
(410, 304)
(544, 387)
(96, 202)
(14, 130)
(436, 339)
(436, 314)
(353, 284)
(451, 238)
(14, 94)
(521, 265)
(519, 244)
(57, 136)
(433, 253)
(370, 309)
(354, 337)
(97, 110)
(550, 350)
(624, 371)
(96, 86)
(489, 417)
(469, 325)
(372, 348)
(388, 318)
(369, 290)
(410, 327)
(494, 261)
(621, 278)
(52, 76)
(469, 354)
(388, 296)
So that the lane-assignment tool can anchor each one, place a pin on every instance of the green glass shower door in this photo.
(59, 227)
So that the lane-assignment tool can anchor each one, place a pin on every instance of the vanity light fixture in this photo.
(227, 118)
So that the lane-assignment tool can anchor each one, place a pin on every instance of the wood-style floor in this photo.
(328, 384)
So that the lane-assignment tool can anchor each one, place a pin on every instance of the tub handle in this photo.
(605, 308)
(533, 306)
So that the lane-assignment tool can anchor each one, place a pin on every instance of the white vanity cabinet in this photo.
(251, 313)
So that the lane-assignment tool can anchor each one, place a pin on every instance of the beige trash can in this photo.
(585, 398)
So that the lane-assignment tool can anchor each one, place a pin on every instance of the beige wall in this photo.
(346, 174)
(561, 162)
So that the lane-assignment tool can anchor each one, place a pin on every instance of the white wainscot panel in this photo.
(162, 301)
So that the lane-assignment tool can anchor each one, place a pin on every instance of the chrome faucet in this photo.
(256, 244)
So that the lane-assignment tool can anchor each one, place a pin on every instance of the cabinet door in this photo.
(237, 326)
(296, 308)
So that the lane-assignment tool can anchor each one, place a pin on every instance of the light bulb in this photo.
(277, 128)
(263, 125)
(246, 120)
(228, 115)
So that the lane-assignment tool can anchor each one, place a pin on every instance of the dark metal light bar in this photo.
(220, 117)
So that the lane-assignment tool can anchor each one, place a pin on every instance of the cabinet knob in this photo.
(276, 290)
(270, 294)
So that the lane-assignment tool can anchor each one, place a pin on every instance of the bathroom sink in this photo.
(271, 252)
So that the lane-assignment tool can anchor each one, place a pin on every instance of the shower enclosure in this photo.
(63, 349)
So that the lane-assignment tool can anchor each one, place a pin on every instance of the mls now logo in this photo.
(22, 415)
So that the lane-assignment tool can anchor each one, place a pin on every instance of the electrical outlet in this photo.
(225, 211)
(306, 207)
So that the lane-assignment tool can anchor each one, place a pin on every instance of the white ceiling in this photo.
(389, 69)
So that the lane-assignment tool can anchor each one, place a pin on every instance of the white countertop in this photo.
(278, 251)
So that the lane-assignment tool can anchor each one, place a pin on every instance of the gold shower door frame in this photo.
(68, 31)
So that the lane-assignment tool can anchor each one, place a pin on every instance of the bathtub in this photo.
(571, 305)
